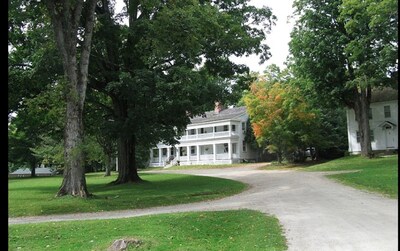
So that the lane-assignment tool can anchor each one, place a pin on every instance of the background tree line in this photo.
(340, 51)
(85, 87)
(119, 86)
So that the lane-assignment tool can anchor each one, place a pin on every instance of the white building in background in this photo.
(26, 172)
(217, 137)
(383, 121)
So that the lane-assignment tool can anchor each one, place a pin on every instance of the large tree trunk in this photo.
(127, 170)
(66, 20)
(74, 182)
(361, 110)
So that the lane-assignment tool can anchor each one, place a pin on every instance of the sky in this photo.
(277, 40)
(279, 37)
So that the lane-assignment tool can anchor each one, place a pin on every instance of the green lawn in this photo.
(184, 167)
(36, 196)
(286, 166)
(222, 230)
(377, 175)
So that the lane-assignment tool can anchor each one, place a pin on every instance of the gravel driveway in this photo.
(316, 213)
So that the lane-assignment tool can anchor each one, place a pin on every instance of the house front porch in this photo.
(209, 154)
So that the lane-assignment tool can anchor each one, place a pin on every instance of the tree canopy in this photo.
(146, 77)
(280, 117)
(171, 62)
(341, 50)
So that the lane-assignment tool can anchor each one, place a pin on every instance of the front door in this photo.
(389, 137)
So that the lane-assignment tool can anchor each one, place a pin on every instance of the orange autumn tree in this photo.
(280, 118)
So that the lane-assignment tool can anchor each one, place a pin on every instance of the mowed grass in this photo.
(221, 230)
(287, 166)
(36, 196)
(185, 167)
(377, 175)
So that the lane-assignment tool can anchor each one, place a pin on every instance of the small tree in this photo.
(279, 116)
(20, 143)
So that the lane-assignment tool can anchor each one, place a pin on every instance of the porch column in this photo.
(159, 156)
(230, 151)
(215, 152)
(168, 152)
(178, 152)
(188, 153)
(198, 153)
(238, 151)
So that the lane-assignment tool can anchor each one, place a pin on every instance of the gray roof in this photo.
(225, 114)
(383, 94)
(384, 123)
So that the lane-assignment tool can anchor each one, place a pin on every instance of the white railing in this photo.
(205, 135)
(222, 156)
(157, 159)
(193, 136)
(221, 134)
(208, 135)
(207, 157)
(193, 158)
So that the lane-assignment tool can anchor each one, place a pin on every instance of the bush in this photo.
(331, 153)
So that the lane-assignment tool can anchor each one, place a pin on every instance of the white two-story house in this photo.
(217, 137)
(383, 121)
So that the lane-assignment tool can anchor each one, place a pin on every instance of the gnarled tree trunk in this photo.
(66, 21)
(361, 110)
(127, 170)
(74, 182)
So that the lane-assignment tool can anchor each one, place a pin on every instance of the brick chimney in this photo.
(218, 107)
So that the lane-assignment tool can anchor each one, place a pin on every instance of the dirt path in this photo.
(315, 212)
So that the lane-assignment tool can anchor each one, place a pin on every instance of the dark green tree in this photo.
(32, 19)
(98, 120)
(342, 50)
(169, 63)
(19, 148)
(38, 121)
(33, 60)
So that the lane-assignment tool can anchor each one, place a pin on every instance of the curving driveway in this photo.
(316, 213)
